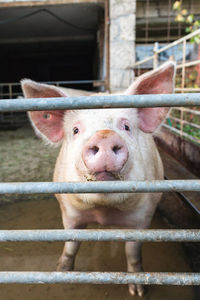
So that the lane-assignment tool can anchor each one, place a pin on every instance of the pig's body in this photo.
(111, 144)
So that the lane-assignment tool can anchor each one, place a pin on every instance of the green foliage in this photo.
(183, 16)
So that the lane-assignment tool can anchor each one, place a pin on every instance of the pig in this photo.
(106, 145)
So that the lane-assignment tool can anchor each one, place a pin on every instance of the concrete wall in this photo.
(122, 43)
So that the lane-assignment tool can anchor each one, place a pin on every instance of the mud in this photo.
(93, 256)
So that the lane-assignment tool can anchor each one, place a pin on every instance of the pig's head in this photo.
(103, 144)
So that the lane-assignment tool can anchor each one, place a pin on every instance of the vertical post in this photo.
(155, 55)
(10, 91)
(107, 41)
(147, 22)
(183, 82)
(169, 20)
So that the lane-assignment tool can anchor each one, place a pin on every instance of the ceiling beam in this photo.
(86, 37)
(15, 3)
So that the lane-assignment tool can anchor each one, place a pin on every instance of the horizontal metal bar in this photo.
(188, 64)
(184, 198)
(182, 133)
(154, 186)
(56, 82)
(179, 41)
(147, 235)
(195, 90)
(187, 110)
(185, 122)
(101, 278)
(114, 101)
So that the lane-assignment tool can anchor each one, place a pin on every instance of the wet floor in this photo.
(92, 256)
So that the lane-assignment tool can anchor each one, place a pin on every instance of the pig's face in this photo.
(102, 144)
(105, 144)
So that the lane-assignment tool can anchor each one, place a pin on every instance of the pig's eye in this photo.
(75, 130)
(126, 127)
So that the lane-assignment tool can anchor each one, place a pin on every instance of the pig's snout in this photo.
(105, 151)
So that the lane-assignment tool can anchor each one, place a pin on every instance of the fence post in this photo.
(155, 55)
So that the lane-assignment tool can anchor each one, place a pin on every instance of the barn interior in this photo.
(50, 43)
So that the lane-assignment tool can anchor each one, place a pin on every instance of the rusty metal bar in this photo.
(100, 278)
(148, 235)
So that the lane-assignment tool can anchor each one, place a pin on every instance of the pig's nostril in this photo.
(94, 150)
(116, 149)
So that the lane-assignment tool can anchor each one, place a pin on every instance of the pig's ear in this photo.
(48, 124)
(158, 81)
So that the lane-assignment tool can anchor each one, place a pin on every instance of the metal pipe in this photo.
(191, 111)
(175, 130)
(107, 45)
(187, 37)
(145, 278)
(94, 102)
(185, 90)
(58, 82)
(147, 235)
(185, 122)
(155, 186)
(189, 64)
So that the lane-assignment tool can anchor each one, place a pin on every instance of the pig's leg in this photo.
(134, 264)
(66, 260)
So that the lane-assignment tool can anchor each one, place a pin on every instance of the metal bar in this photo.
(187, 90)
(191, 111)
(58, 82)
(186, 200)
(183, 84)
(189, 64)
(188, 36)
(183, 133)
(155, 186)
(147, 22)
(155, 60)
(143, 61)
(145, 278)
(185, 122)
(107, 44)
(115, 101)
(148, 235)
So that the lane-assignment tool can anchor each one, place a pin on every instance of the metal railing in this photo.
(10, 90)
(101, 187)
(178, 123)
(13, 89)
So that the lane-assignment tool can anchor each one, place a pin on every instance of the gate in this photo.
(156, 186)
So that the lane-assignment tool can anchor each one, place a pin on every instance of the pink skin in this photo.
(105, 154)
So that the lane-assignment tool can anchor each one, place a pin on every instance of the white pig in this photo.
(102, 145)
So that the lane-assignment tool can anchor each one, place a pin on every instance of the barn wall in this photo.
(122, 43)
